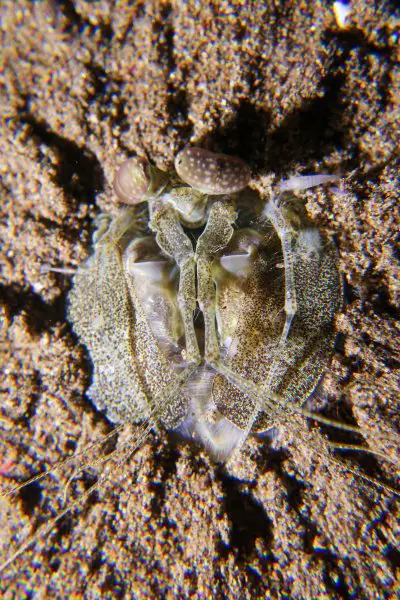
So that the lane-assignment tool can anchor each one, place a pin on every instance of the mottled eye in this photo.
(132, 181)
(212, 173)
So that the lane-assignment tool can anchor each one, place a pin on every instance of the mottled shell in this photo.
(212, 173)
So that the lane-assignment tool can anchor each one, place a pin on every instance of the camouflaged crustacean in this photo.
(205, 309)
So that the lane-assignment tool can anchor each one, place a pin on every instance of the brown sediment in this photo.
(83, 87)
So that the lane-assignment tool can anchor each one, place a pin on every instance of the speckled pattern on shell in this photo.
(212, 173)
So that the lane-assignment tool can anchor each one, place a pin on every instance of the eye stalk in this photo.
(137, 180)
(212, 173)
(204, 173)
(132, 181)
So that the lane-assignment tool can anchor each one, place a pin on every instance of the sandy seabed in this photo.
(83, 86)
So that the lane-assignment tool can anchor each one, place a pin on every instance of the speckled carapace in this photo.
(187, 313)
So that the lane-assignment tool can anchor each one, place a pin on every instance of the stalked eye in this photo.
(132, 181)
(212, 173)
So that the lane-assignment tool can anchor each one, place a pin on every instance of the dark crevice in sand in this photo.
(339, 344)
(100, 80)
(178, 108)
(113, 96)
(393, 555)
(96, 560)
(350, 293)
(31, 497)
(67, 9)
(106, 33)
(294, 490)
(304, 135)
(64, 526)
(355, 39)
(177, 103)
(165, 460)
(107, 96)
(79, 173)
(338, 587)
(55, 564)
(310, 133)
(246, 135)
(33, 397)
(248, 518)
(385, 354)
(256, 585)
(114, 585)
(40, 315)
(379, 299)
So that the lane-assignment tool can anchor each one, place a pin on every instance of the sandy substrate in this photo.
(88, 84)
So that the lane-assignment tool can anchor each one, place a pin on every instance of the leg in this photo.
(304, 182)
(187, 306)
(262, 401)
(306, 240)
(172, 239)
(206, 297)
(260, 393)
(286, 234)
(215, 237)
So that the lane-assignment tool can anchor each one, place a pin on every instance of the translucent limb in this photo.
(44, 269)
(286, 234)
(282, 226)
(215, 237)
(187, 306)
(172, 239)
(207, 300)
(304, 182)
